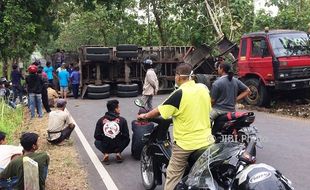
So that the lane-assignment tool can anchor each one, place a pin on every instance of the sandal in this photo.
(119, 158)
(106, 160)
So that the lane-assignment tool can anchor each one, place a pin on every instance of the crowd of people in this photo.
(46, 88)
(111, 131)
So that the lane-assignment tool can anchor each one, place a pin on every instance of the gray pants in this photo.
(148, 100)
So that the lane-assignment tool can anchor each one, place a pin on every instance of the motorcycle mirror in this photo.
(139, 103)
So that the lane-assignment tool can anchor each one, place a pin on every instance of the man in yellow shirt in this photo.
(190, 107)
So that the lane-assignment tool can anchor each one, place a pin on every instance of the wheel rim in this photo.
(253, 97)
(147, 170)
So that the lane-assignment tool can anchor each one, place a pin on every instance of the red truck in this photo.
(267, 62)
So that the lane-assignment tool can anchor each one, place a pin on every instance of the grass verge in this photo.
(65, 171)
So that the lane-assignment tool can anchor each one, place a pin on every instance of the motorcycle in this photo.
(156, 152)
(231, 166)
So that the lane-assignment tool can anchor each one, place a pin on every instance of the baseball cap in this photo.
(61, 103)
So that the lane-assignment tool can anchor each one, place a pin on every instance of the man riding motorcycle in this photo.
(192, 130)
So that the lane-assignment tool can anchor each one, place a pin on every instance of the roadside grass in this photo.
(10, 120)
(65, 172)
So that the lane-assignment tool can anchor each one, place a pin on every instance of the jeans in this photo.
(75, 90)
(18, 92)
(8, 184)
(35, 101)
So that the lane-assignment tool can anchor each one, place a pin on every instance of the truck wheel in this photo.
(127, 87)
(204, 79)
(259, 95)
(127, 47)
(127, 54)
(98, 95)
(162, 83)
(98, 89)
(97, 50)
(127, 93)
(98, 57)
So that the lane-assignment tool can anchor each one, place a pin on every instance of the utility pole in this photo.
(148, 23)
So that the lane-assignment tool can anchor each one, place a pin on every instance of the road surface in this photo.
(286, 145)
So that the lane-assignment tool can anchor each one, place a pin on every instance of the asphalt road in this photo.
(285, 141)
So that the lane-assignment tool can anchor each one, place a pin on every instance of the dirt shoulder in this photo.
(65, 171)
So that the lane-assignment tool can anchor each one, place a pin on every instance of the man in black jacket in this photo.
(34, 87)
(111, 134)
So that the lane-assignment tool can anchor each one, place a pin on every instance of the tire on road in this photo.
(259, 95)
(127, 87)
(98, 95)
(147, 170)
(127, 47)
(127, 94)
(98, 89)
(204, 79)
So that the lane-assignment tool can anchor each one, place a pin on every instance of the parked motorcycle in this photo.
(231, 166)
(156, 153)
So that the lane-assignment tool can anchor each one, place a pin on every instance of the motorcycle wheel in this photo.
(147, 170)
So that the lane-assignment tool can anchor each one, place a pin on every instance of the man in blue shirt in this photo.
(75, 81)
(48, 69)
(63, 76)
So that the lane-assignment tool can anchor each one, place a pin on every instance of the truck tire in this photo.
(259, 95)
(98, 89)
(127, 54)
(127, 87)
(162, 83)
(98, 57)
(97, 50)
(204, 79)
(98, 95)
(127, 47)
(127, 94)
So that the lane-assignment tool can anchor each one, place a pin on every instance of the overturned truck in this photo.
(119, 70)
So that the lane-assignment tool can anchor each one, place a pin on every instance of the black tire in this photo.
(259, 95)
(162, 83)
(147, 170)
(98, 95)
(127, 54)
(127, 87)
(97, 50)
(127, 47)
(127, 94)
(98, 89)
(98, 57)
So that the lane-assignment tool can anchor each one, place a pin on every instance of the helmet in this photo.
(148, 62)
(32, 69)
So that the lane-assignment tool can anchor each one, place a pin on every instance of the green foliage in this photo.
(10, 119)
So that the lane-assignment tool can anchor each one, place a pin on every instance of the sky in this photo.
(260, 4)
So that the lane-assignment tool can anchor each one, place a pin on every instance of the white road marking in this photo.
(106, 178)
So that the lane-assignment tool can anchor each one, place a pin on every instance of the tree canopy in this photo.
(68, 24)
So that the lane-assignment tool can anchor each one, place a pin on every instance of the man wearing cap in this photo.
(13, 174)
(150, 86)
(189, 106)
(60, 124)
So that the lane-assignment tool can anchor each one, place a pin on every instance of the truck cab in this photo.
(276, 60)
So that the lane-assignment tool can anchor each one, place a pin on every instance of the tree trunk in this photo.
(158, 21)
(5, 67)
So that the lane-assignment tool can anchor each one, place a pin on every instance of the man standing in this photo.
(60, 124)
(34, 87)
(63, 76)
(16, 77)
(226, 91)
(190, 107)
(49, 70)
(150, 86)
(30, 144)
(111, 134)
(75, 81)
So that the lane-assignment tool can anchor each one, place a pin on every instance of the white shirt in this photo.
(6, 153)
(58, 120)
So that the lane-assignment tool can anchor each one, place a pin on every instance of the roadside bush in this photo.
(10, 119)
